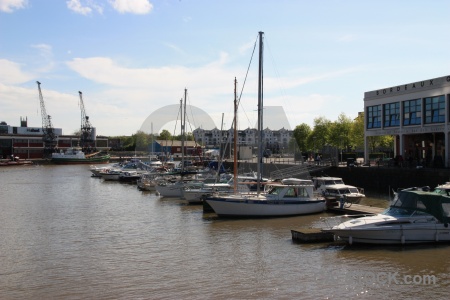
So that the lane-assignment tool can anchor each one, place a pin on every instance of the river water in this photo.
(65, 235)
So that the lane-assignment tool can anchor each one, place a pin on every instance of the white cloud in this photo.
(139, 7)
(75, 5)
(84, 9)
(46, 52)
(12, 73)
(9, 6)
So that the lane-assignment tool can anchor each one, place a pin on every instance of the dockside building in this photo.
(417, 115)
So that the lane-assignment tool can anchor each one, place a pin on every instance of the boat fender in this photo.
(445, 225)
(403, 239)
(350, 240)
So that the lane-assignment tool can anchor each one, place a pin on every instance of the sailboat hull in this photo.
(264, 208)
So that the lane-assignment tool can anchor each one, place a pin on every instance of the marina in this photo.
(69, 235)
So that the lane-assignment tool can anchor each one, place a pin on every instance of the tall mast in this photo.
(235, 165)
(260, 113)
(183, 124)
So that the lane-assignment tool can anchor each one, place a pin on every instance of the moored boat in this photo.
(14, 162)
(290, 197)
(335, 190)
(416, 216)
(75, 155)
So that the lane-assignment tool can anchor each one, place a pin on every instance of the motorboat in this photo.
(343, 193)
(289, 197)
(416, 215)
(129, 176)
(336, 191)
(196, 194)
(174, 189)
(96, 170)
(110, 174)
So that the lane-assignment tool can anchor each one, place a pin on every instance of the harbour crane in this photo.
(86, 139)
(49, 137)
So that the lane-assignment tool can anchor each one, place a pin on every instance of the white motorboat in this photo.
(174, 189)
(196, 195)
(95, 170)
(288, 198)
(334, 189)
(321, 182)
(129, 176)
(110, 174)
(416, 216)
(344, 193)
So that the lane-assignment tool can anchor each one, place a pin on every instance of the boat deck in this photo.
(356, 209)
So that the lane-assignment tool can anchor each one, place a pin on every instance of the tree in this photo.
(141, 141)
(340, 132)
(357, 132)
(319, 136)
(301, 134)
(165, 135)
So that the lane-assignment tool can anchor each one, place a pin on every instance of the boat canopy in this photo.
(434, 204)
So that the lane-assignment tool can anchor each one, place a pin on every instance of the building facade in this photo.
(417, 115)
(26, 142)
(273, 139)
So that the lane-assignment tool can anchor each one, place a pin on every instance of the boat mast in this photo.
(235, 165)
(183, 123)
(260, 113)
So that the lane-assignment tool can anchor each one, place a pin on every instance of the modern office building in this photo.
(417, 115)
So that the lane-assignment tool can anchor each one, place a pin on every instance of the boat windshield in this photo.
(348, 191)
(404, 212)
(334, 181)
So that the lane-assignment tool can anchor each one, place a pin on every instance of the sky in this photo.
(130, 58)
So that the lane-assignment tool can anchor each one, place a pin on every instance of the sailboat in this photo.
(286, 198)
(176, 189)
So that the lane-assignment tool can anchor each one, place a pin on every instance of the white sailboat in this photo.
(286, 198)
(176, 189)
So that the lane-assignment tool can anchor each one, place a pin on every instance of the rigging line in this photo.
(192, 114)
(176, 122)
(245, 80)
(283, 90)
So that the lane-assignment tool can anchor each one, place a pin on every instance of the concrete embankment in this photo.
(374, 179)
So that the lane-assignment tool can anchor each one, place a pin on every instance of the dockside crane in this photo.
(49, 137)
(86, 139)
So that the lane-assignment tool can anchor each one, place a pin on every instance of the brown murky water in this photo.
(65, 235)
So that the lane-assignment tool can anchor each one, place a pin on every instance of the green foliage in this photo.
(357, 132)
(165, 135)
(301, 134)
(319, 136)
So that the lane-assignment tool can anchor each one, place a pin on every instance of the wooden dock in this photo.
(316, 235)
(311, 235)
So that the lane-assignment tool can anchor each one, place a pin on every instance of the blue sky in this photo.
(132, 57)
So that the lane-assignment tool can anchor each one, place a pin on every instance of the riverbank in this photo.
(380, 180)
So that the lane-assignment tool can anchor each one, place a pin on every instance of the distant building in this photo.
(275, 140)
(417, 114)
(173, 148)
(26, 142)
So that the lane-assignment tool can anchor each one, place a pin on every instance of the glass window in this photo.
(392, 114)
(434, 109)
(374, 116)
(412, 112)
